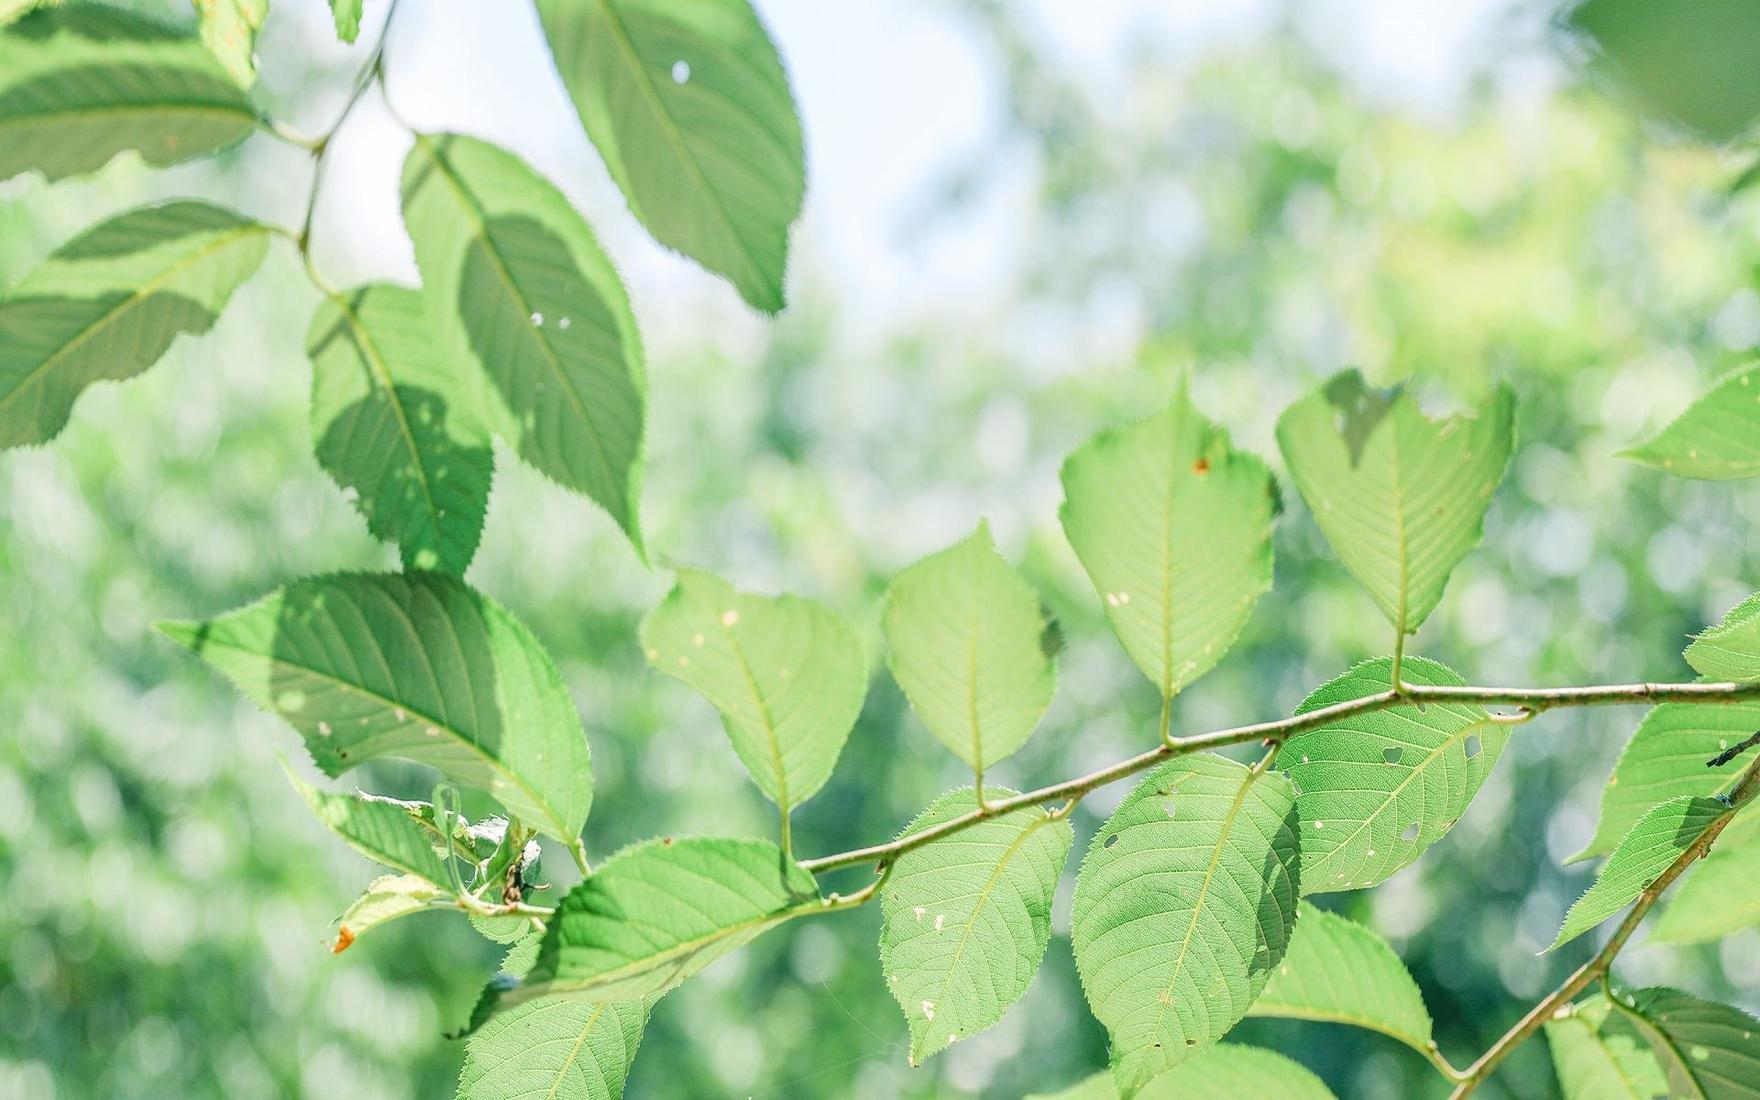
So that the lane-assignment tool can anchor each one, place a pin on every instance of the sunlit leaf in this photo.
(1338, 971)
(690, 107)
(553, 1048)
(229, 28)
(1717, 438)
(1656, 841)
(417, 666)
(1400, 497)
(1731, 649)
(1183, 908)
(1720, 894)
(1707, 1051)
(966, 918)
(393, 422)
(1598, 1062)
(83, 82)
(107, 304)
(347, 15)
(1228, 1071)
(964, 630)
(1381, 787)
(388, 898)
(522, 285)
(1174, 527)
(379, 828)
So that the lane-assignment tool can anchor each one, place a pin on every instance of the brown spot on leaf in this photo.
(1202, 466)
(344, 937)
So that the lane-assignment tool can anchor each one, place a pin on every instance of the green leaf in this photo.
(660, 911)
(1731, 649)
(1400, 497)
(381, 829)
(786, 673)
(1339, 971)
(1174, 527)
(394, 424)
(1692, 61)
(107, 304)
(229, 29)
(1099, 1086)
(963, 630)
(1598, 1062)
(523, 286)
(1184, 907)
(388, 898)
(690, 107)
(417, 666)
(581, 1050)
(82, 83)
(966, 918)
(347, 14)
(1666, 759)
(1719, 894)
(1228, 1071)
(1379, 788)
(1716, 439)
(1654, 843)
(1708, 1051)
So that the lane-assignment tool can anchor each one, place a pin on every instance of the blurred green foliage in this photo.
(1251, 218)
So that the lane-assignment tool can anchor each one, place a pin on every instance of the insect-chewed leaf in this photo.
(1400, 497)
(1379, 788)
(963, 631)
(690, 107)
(1720, 894)
(418, 666)
(81, 83)
(381, 829)
(1731, 649)
(1228, 1071)
(388, 898)
(1666, 758)
(347, 16)
(553, 1048)
(1707, 1051)
(1659, 838)
(660, 911)
(229, 29)
(522, 286)
(1339, 971)
(1173, 526)
(394, 422)
(107, 304)
(966, 918)
(1184, 907)
(1596, 1061)
(1717, 438)
(786, 673)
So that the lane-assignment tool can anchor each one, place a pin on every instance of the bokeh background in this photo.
(1025, 221)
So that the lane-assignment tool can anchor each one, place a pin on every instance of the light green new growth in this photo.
(1400, 497)
(387, 898)
(1173, 526)
(1337, 970)
(379, 828)
(964, 635)
(1717, 438)
(109, 303)
(1731, 649)
(522, 288)
(1654, 843)
(1599, 1061)
(417, 666)
(1707, 1051)
(347, 15)
(690, 108)
(1183, 908)
(966, 920)
(229, 29)
(1380, 788)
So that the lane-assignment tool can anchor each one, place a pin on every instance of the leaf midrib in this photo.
(771, 739)
(575, 1051)
(1649, 1028)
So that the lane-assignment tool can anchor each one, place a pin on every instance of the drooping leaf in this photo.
(1339, 971)
(690, 107)
(522, 285)
(1228, 1071)
(1689, 60)
(1173, 526)
(417, 666)
(388, 898)
(1720, 894)
(1731, 649)
(966, 918)
(1707, 1051)
(107, 304)
(963, 631)
(378, 828)
(1400, 497)
(660, 911)
(1656, 841)
(1717, 438)
(83, 82)
(394, 423)
(1598, 1062)
(1184, 907)
(1379, 788)
(229, 29)
(347, 14)
(1666, 759)
(553, 1048)
(786, 673)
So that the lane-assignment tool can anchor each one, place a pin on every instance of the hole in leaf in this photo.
(1110, 841)
(1473, 745)
(681, 72)
(1169, 805)
(1392, 754)
(1410, 833)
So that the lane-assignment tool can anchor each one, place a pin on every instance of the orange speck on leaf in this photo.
(1202, 466)
(344, 937)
